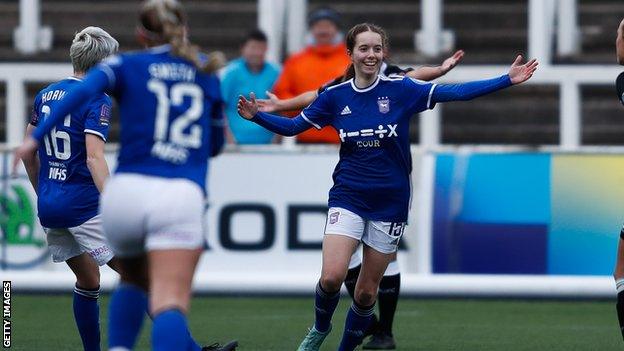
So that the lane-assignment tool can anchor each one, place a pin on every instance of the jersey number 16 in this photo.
(56, 136)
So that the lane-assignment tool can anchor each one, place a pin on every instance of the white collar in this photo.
(370, 87)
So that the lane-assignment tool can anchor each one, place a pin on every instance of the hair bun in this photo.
(216, 61)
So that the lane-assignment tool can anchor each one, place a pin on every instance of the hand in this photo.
(28, 147)
(452, 61)
(269, 105)
(519, 73)
(247, 108)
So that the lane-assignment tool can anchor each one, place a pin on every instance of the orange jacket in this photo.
(309, 70)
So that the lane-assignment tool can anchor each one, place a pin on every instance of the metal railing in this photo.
(569, 78)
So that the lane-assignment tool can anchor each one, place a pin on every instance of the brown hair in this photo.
(164, 21)
(350, 42)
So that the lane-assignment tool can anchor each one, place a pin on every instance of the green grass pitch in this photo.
(42, 322)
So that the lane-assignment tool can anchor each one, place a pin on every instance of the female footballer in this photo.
(68, 173)
(153, 206)
(370, 197)
(382, 337)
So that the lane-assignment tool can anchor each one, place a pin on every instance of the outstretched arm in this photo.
(248, 109)
(518, 73)
(431, 73)
(275, 104)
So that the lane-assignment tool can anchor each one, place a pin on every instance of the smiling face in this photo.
(367, 53)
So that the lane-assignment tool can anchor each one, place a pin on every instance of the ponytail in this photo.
(349, 73)
(182, 47)
(165, 22)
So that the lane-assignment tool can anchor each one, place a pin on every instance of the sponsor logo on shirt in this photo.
(389, 130)
(105, 113)
(383, 102)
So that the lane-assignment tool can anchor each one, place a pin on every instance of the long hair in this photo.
(350, 42)
(90, 46)
(164, 21)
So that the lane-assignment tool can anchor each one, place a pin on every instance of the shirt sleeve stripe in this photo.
(308, 120)
(95, 132)
(430, 95)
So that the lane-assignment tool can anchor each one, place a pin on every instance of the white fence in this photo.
(569, 79)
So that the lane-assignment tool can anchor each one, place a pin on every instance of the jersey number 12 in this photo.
(175, 97)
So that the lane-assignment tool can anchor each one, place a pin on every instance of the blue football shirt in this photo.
(372, 177)
(167, 109)
(67, 195)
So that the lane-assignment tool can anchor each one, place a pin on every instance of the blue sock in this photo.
(358, 319)
(324, 307)
(192, 345)
(170, 331)
(125, 318)
(87, 316)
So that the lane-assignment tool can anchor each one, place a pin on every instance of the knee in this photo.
(135, 277)
(90, 281)
(365, 296)
(331, 281)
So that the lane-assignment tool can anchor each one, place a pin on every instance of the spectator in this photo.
(248, 73)
(324, 59)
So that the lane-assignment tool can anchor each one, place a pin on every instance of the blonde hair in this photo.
(90, 46)
(164, 21)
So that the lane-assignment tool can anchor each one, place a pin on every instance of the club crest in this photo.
(383, 102)
(333, 217)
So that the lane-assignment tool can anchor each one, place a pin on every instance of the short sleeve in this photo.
(320, 112)
(98, 117)
(111, 67)
(418, 94)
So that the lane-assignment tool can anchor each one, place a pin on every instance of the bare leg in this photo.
(171, 275)
(374, 264)
(337, 251)
(86, 271)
